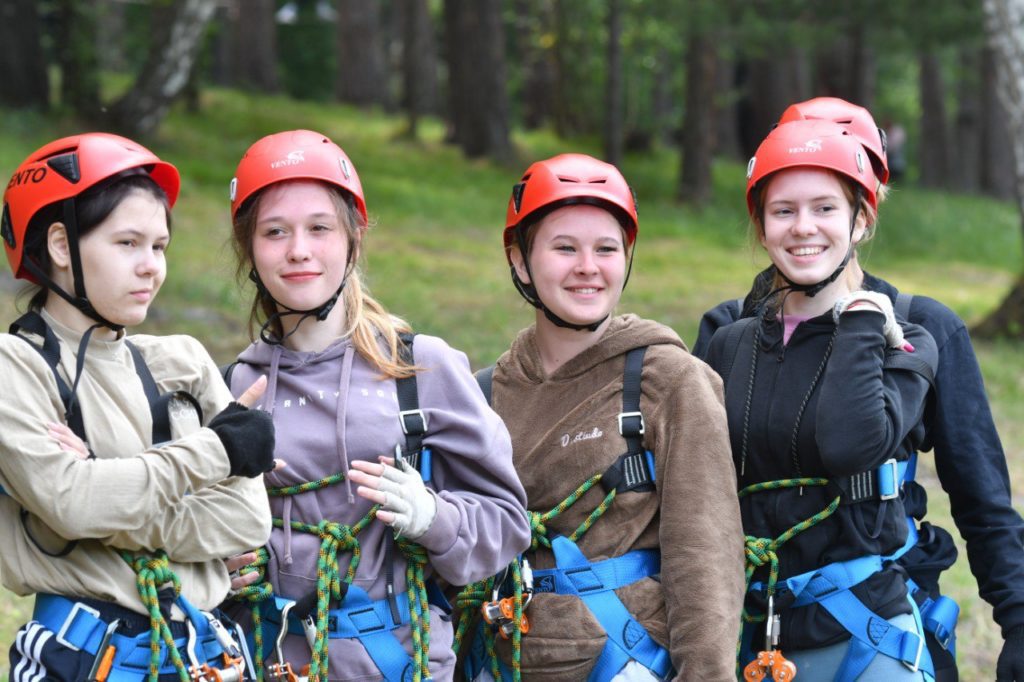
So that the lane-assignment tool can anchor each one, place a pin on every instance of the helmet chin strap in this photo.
(320, 312)
(79, 300)
(812, 290)
(529, 292)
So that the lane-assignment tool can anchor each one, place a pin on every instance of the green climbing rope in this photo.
(332, 584)
(473, 596)
(151, 573)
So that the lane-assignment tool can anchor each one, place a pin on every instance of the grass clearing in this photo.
(434, 256)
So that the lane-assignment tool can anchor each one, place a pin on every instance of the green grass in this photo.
(434, 256)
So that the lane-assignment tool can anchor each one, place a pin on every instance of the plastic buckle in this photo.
(628, 415)
(410, 413)
(895, 466)
(69, 621)
(917, 659)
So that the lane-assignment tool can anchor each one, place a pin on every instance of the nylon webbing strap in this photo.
(34, 324)
(633, 471)
(631, 422)
(414, 422)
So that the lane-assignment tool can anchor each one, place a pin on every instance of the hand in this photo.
(406, 504)
(873, 300)
(1010, 667)
(69, 440)
(233, 564)
(247, 435)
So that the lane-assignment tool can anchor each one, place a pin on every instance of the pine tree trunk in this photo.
(933, 157)
(166, 71)
(479, 98)
(997, 168)
(1004, 23)
(362, 72)
(253, 37)
(25, 82)
(419, 61)
(965, 166)
(614, 105)
(699, 119)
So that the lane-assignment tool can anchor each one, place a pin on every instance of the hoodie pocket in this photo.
(564, 641)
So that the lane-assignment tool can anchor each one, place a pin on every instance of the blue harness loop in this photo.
(829, 586)
(368, 620)
(595, 583)
(79, 627)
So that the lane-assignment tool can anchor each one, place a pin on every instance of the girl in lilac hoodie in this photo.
(358, 535)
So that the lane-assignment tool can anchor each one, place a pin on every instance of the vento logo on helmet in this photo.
(808, 147)
(33, 175)
(293, 159)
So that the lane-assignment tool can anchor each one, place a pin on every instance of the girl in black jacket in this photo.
(825, 394)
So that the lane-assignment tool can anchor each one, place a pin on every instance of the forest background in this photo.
(442, 104)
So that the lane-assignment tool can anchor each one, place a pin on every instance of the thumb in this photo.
(253, 393)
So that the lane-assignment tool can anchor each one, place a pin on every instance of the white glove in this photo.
(408, 499)
(873, 300)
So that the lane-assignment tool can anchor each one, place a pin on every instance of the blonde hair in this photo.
(366, 319)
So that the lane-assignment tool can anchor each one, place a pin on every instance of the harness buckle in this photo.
(883, 493)
(412, 413)
(70, 620)
(104, 654)
(631, 415)
(917, 659)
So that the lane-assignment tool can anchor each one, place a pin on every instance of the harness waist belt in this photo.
(81, 628)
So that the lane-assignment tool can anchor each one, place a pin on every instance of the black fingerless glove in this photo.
(248, 438)
(1010, 667)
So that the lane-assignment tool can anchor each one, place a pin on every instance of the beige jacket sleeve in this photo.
(701, 534)
(99, 497)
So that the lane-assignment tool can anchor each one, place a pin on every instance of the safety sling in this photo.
(208, 647)
(503, 598)
(337, 608)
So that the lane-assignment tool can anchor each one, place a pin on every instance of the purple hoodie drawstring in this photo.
(287, 527)
(270, 401)
(343, 384)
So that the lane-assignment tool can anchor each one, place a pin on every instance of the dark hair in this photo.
(92, 207)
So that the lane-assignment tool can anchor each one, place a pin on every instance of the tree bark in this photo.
(699, 117)
(251, 34)
(933, 158)
(25, 82)
(166, 70)
(419, 61)
(965, 166)
(1004, 24)
(362, 72)
(771, 85)
(76, 49)
(997, 168)
(478, 96)
(614, 105)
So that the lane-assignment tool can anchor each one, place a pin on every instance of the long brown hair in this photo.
(366, 320)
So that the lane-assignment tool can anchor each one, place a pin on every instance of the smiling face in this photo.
(578, 263)
(806, 232)
(300, 244)
(123, 259)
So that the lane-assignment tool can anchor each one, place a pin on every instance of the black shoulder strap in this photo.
(633, 471)
(414, 422)
(896, 358)
(33, 323)
(734, 337)
(902, 306)
(485, 379)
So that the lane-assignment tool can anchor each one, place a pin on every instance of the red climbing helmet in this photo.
(810, 143)
(854, 118)
(571, 179)
(295, 155)
(64, 169)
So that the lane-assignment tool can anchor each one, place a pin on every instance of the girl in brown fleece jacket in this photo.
(649, 586)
